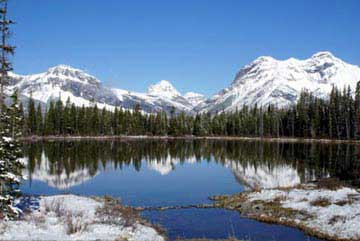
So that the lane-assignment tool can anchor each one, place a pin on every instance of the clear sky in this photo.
(198, 45)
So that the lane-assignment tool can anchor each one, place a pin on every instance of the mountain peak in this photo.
(163, 88)
(63, 67)
(263, 59)
(323, 54)
(279, 82)
(193, 94)
(68, 72)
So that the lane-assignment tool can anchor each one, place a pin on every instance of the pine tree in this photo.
(59, 117)
(66, 117)
(357, 111)
(6, 50)
(10, 164)
(173, 128)
(23, 125)
(31, 117)
(198, 126)
(82, 124)
(39, 121)
(261, 123)
(73, 119)
(50, 120)
(10, 129)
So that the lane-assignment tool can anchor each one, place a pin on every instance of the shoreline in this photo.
(189, 137)
(329, 213)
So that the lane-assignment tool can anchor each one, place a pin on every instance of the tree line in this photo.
(334, 117)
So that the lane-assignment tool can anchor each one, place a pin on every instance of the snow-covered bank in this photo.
(327, 213)
(70, 217)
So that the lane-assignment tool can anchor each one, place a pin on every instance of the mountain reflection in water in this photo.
(63, 165)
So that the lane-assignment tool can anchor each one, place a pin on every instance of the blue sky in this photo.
(196, 44)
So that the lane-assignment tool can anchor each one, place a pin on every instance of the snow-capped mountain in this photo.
(264, 81)
(163, 88)
(269, 81)
(160, 96)
(195, 99)
(83, 89)
(64, 82)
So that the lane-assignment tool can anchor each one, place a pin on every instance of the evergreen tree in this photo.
(10, 163)
(173, 128)
(6, 50)
(357, 111)
(59, 117)
(39, 121)
(10, 129)
(50, 120)
(31, 120)
(73, 121)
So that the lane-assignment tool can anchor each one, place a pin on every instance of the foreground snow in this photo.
(70, 217)
(332, 212)
(327, 213)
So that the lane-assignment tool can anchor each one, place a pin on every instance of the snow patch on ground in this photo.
(70, 217)
(338, 216)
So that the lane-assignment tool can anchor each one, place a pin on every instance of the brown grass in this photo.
(320, 202)
(73, 225)
(337, 218)
(329, 183)
(112, 212)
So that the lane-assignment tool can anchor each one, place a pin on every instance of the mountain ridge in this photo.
(267, 80)
(264, 81)
(63, 82)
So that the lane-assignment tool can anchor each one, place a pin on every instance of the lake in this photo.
(183, 172)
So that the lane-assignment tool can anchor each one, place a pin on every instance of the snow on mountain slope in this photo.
(194, 98)
(63, 82)
(269, 81)
(160, 96)
(264, 81)
(164, 89)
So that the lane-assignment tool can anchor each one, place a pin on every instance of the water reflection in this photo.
(63, 165)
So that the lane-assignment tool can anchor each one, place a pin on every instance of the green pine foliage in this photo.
(11, 126)
(10, 163)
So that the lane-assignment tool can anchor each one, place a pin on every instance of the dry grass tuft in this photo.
(75, 224)
(329, 183)
(320, 202)
(114, 212)
(336, 219)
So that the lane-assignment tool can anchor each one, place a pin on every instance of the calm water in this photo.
(154, 173)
